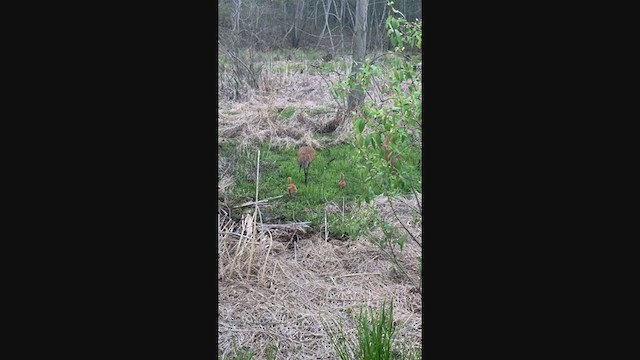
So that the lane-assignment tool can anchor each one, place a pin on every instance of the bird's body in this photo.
(292, 188)
(342, 183)
(306, 155)
(389, 157)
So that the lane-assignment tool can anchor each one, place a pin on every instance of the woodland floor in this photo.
(274, 292)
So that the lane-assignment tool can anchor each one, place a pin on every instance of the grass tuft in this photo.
(375, 334)
(374, 341)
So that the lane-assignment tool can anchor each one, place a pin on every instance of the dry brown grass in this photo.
(273, 290)
(256, 119)
(269, 292)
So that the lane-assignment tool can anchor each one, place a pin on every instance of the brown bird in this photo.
(342, 183)
(292, 187)
(306, 155)
(388, 155)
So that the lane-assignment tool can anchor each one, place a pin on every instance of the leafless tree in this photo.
(298, 22)
(356, 96)
(330, 24)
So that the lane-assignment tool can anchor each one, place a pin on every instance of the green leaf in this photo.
(368, 140)
(360, 125)
(378, 139)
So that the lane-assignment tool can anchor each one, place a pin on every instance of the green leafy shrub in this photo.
(388, 126)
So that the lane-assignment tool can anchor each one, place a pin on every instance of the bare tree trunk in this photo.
(356, 96)
(371, 27)
(298, 16)
(327, 12)
(382, 26)
(378, 23)
(342, 26)
(352, 21)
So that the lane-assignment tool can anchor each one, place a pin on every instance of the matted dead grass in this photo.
(274, 292)
(255, 119)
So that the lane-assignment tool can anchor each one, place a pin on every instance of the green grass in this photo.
(239, 353)
(324, 137)
(314, 64)
(375, 333)
(319, 110)
(375, 337)
(287, 112)
(308, 204)
(271, 352)
(328, 66)
(323, 68)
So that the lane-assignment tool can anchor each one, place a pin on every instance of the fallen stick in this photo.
(356, 274)
(290, 226)
(258, 202)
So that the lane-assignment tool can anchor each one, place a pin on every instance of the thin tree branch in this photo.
(401, 223)
(417, 201)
